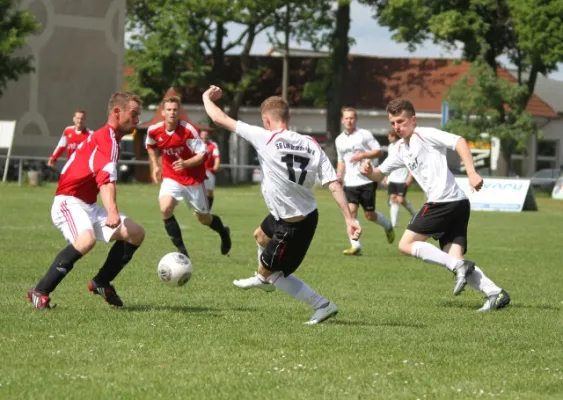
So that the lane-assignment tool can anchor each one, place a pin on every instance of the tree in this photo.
(15, 27)
(528, 32)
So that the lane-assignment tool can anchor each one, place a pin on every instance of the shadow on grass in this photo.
(152, 307)
(400, 324)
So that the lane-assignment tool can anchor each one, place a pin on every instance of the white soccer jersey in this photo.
(290, 164)
(360, 141)
(398, 175)
(425, 158)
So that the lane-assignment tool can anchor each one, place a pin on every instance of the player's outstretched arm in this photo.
(368, 171)
(354, 230)
(109, 200)
(462, 149)
(217, 115)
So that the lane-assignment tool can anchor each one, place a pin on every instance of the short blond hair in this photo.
(172, 99)
(349, 109)
(122, 99)
(276, 107)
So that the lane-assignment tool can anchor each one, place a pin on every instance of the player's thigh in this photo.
(129, 231)
(352, 195)
(196, 197)
(289, 245)
(456, 232)
(70, 215)
(210, 181)
(171, 192)
(367, 196)
(98, 215)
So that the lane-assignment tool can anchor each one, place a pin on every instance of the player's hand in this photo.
(339, 177)
(156, 175)
(366, 169)
(384, 182)
(51, 163)
(354, 230)
(475, 181)
(113, 220)
(357, 156)
(213, 93)
(178, 165)
(408, 182)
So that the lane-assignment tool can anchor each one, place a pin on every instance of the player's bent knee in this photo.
(405, 247)
(204, 219)
(85, 241)
(135, 232)
(371, 216)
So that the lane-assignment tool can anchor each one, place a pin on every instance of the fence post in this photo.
(20, 172)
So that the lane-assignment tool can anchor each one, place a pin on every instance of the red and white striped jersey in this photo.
(93, 164)
(183, 142)
(212, 155)
(70, 140)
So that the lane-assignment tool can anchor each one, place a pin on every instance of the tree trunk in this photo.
(238, 97)
(339, 68)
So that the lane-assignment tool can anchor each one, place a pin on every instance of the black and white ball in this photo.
(175, 269)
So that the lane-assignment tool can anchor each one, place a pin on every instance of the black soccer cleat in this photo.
(495, 302)
(107, 292)
(226, 240)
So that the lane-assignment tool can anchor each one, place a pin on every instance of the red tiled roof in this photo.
(371, 83)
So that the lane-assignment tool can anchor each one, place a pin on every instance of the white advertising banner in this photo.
(500, 194)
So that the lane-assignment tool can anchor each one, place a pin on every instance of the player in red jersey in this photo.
(71, 138)
(183, 173)
(92, 170)
(211, 164)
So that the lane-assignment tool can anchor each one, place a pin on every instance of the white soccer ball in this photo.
(175, 269)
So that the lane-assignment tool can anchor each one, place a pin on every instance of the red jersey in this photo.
(212, 155)
(70, 140)
(184, 142)
(93, 164)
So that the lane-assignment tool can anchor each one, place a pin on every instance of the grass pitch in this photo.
(400, 333)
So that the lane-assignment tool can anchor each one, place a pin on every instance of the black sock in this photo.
(175, 234)
(210, 198)
(63, 264)
(217, 224)
(119, 255)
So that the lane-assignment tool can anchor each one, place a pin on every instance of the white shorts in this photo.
(195, 196)
(210, 182)
(73, 216)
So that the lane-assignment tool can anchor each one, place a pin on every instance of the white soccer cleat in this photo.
(254, 282)
(322, 314)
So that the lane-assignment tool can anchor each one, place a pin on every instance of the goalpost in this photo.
(7, 130)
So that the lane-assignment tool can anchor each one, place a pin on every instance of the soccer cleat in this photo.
(254, 282)
(39, 300)
(107, 292)
(390, 235)
(322, 314)
(226, 241)
(461, 272)
(495, 302)
(352, 251)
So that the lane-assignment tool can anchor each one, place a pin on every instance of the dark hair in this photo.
(397, 106)
(393, 133)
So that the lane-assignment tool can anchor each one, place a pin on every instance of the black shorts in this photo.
(363, 195)
(400, 189)
(289, 242)
(446, 222)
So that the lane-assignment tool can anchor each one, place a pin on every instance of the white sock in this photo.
(259, 253)
(355, 243)
(381, 220)
(297, 289)
(432, 254)
(479, 281)
(408, 205)
(394, 214)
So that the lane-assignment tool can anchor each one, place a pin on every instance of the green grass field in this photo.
(400, 333)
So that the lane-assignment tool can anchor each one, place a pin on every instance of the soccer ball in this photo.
(175, 269)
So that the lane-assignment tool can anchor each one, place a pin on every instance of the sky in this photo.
(372, 39)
